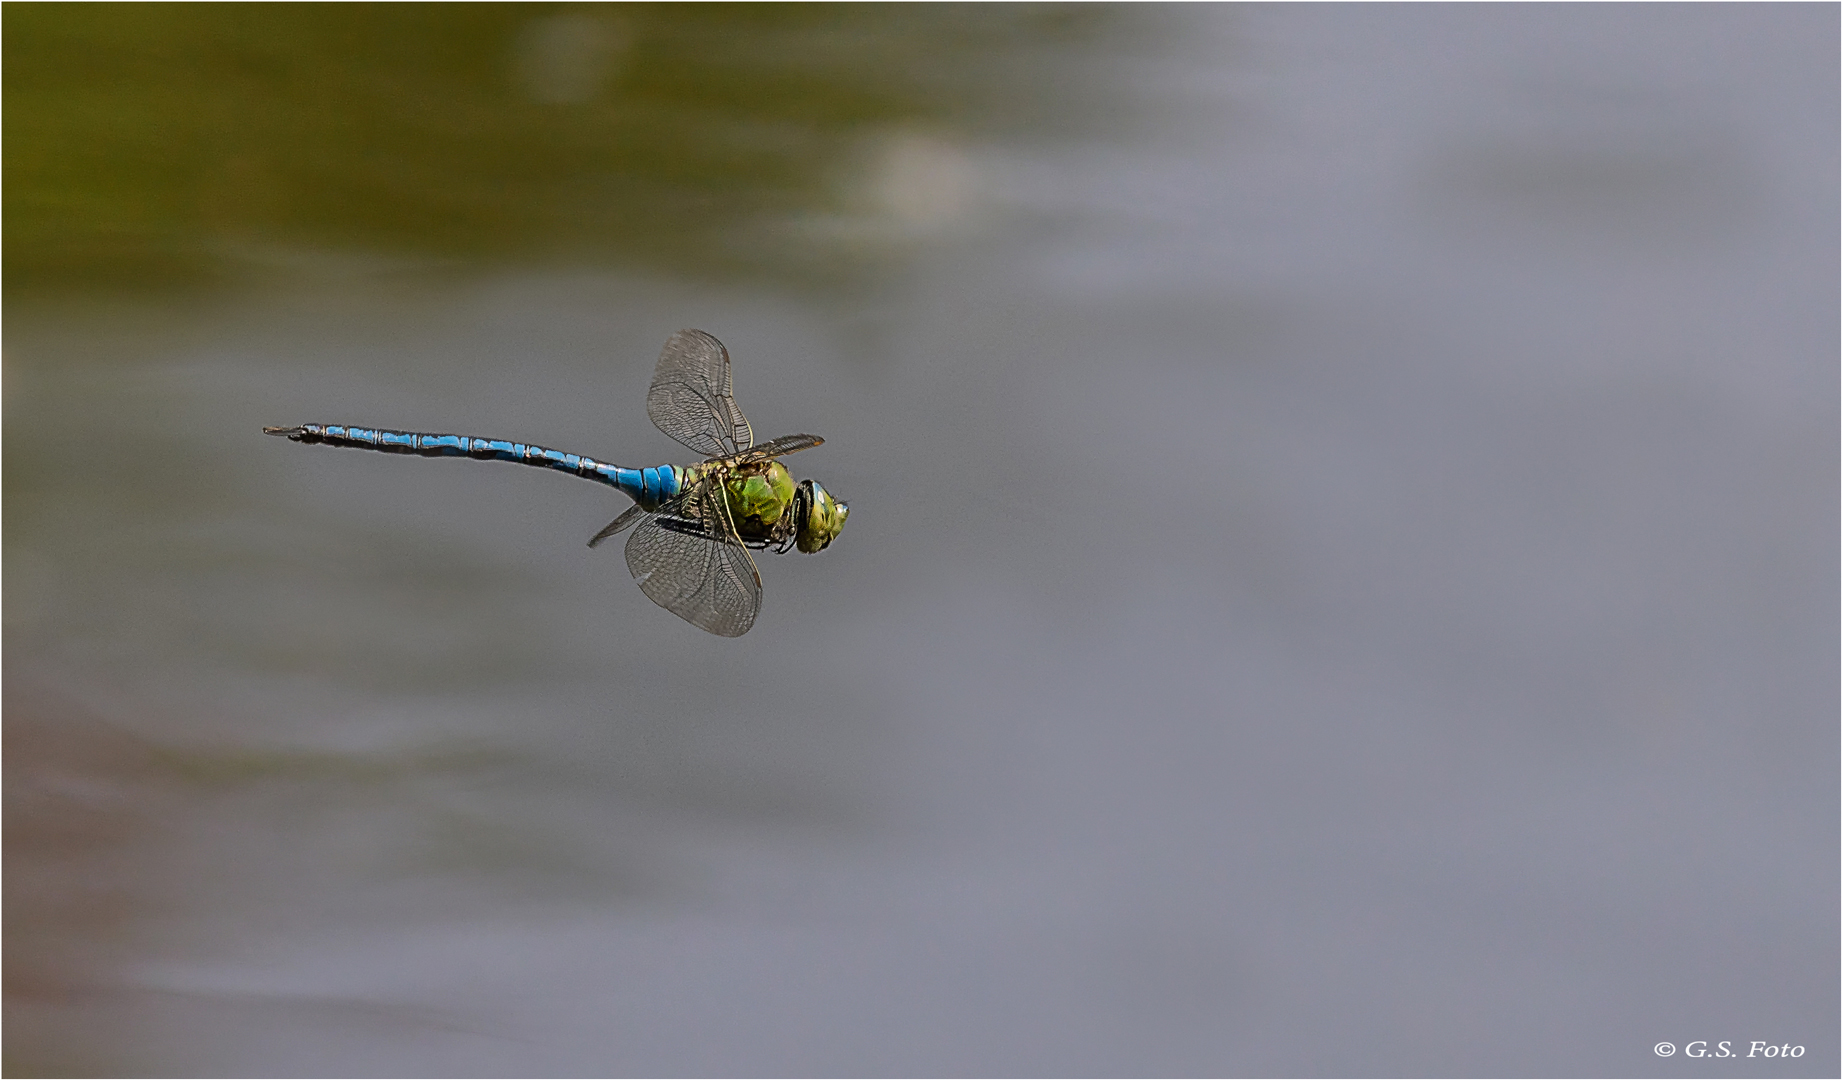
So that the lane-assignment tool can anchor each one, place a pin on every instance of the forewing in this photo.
(692, 398)
(688, 560)
(786, 444)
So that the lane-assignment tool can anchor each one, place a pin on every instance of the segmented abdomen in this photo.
(648, 486)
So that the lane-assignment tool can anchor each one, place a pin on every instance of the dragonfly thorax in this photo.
(768, 509)
(760, 494)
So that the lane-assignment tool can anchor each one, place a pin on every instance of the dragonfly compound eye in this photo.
(822, 518)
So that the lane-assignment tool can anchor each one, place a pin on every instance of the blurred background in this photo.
(1342, 577)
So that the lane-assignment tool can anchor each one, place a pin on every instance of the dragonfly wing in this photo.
(689, 561)
(786, 444)
(692, 398)
(628, 517)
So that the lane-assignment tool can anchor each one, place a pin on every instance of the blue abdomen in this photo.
(648, 487)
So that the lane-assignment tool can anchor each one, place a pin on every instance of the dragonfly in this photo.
(693, 526)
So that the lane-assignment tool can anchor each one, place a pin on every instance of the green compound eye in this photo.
(823, 519)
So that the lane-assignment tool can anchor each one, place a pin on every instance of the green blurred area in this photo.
(164, 144)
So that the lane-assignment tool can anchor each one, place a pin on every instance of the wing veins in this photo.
(688, 559)
(692, 398)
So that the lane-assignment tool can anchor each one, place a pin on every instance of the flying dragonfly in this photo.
(696, 523)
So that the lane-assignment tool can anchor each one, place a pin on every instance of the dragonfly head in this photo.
(820, 517)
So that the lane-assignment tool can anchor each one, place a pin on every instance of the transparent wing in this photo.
(692, 398)
(689, 561)
(627, 517)
(786, 444)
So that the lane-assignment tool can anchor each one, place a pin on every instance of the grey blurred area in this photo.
(1342, 575)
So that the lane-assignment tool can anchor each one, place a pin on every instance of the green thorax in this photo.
(769, 510)
(759, 495)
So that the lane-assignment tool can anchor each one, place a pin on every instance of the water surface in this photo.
(1341, 577)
